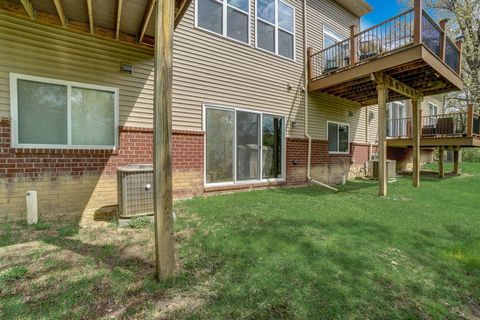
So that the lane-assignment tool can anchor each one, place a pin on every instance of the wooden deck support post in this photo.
(417, 119)
(441, 162)
(382, 92)
(417, 21)
(456, 160)
(470, 112)
(162, 136)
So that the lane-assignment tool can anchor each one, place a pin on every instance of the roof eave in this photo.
(357, 7)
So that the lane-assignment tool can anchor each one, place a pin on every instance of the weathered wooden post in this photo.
(417, 119)
(353, 44)
(441, 162)
(162, 128)
(443, 39)
(470, 113)
(417, 21)
(382, 92)
(456, 160)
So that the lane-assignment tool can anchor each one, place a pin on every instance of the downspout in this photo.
(305, 99)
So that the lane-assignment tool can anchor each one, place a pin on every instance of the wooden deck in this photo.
(461, 129)
(417, 54)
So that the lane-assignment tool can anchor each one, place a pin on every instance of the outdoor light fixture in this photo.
(293, 124)
(350, 113)
(127, 68)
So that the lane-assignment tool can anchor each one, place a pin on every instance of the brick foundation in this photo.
(78, 183)
(74, 182)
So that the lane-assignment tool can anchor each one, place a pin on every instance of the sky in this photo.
(382, 10)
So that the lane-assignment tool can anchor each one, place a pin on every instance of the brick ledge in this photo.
(244, 186)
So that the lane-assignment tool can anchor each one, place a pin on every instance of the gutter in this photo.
(306, 81)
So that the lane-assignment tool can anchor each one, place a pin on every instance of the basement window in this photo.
(232, 149)
(338, 137)
(48, 113)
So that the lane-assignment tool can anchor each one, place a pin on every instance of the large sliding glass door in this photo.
(219, 135)
(242, 146)
(248, 140)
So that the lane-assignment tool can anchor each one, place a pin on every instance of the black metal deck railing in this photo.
(391, 35)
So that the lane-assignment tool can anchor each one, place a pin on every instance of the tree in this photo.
(464, 21)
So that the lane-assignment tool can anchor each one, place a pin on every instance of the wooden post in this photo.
(162, 134)
(456, 160)
(417, 119)
(443, 39)
(441, 162)
(353, 45)
(470, 112)
(417, 21)
(382, 92)
(309, 64)
(459, 45)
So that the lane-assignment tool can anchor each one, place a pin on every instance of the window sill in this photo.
(244, 185)
(339, 154)
(47, 150)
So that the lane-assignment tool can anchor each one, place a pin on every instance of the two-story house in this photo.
(259, 96)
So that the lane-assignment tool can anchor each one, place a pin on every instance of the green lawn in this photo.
(293, 253)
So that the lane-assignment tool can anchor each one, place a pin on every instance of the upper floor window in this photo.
(275, 27)
(49, 113)
(229, 18)
(330, 38)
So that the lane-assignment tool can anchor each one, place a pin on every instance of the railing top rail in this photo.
(332, 46)
(445, 115)
(385, 22)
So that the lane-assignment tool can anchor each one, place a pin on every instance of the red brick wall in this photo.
(333, 165)
(135, 146)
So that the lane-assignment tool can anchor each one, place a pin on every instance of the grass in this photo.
(293, 253)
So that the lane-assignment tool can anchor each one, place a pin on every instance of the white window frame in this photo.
(276, 27)
(390, 119)
(235, 181)
(327, 31)
(338, 137)
(14, 77)
(225, 5)
(432, 106)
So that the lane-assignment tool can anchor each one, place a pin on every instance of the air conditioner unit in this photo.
(391, 169)
(135, 190)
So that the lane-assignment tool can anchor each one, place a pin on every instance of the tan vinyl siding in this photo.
(37, 50)
(209, 68)
(323, 108)
(327, 14)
